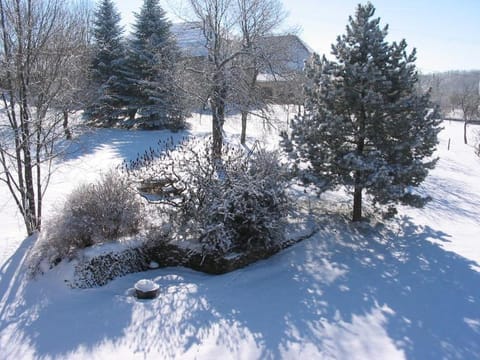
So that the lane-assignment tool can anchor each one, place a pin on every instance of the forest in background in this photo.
(455, 90)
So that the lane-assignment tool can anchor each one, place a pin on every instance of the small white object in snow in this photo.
(145, 285)
(146, 289)
(153, 265)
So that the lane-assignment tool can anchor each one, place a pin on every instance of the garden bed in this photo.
(99, 269)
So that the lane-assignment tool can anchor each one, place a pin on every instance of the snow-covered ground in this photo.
(407, 289)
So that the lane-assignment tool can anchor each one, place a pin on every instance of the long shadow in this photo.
(338, 292)
(453, 199)
(44, 318)
(11, 275)
(356, 291)
(128, 144)
(433, 294)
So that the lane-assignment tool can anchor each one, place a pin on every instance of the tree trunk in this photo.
(217, 104)
(23, 62)
(38, 167)
(30, 215)
(243, 135)
(217, 135)
(131, 114)
(66, 129)
(357, 199)
(29, 194)
(465, 140)
(357, 193)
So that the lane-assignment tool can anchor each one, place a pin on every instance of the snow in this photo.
(405, 289)
(146, 285)
(153, 265)
(456, 194)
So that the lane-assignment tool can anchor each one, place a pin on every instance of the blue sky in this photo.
(446, 33)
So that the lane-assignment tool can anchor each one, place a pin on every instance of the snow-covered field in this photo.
(406, 289)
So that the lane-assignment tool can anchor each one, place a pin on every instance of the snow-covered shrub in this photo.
(93, 213)
(233, 204)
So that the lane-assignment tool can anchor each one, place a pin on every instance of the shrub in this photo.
(236, 204)
(93, 213)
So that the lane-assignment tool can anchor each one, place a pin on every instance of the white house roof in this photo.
(284, 54)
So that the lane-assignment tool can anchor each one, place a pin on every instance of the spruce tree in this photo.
(153, 97)
(107, 62)
(365, 125)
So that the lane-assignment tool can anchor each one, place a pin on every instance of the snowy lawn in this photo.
(407, 289)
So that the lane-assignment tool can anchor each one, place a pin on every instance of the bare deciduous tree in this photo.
(445, 85)
(217, 21)
(256, 20)
(236, 53)
(467, 99)
(41, 43)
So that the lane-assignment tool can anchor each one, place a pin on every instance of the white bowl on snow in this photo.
(146, 289)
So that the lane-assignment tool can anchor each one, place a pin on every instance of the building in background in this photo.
(281, 75)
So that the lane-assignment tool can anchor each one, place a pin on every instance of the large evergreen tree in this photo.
(153, 95)
(107, 64)
(365, 124)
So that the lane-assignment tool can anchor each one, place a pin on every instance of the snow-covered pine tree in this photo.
(365, 125)
(153, 96)
(106, 67)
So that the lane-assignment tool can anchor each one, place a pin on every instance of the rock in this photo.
(153, 265)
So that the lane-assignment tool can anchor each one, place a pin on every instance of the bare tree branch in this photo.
(42, 42)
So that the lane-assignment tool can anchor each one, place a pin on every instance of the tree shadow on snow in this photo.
(127, 144)
(352, 291)
(452, 198)
(432, 295)
(42, 318)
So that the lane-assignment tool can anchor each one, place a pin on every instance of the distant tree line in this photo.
(457, 93)
(454, 90)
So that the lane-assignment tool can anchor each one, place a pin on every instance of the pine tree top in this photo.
(151, 26)
(107, 28)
